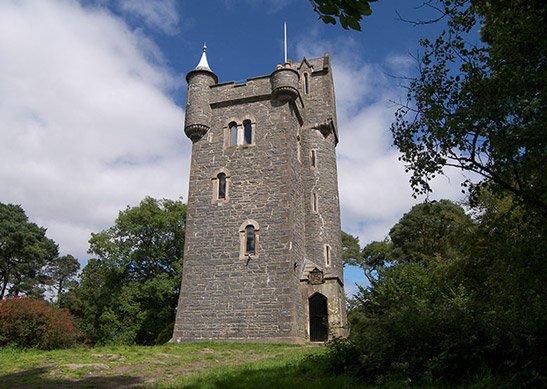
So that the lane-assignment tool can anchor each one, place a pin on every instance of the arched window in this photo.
(250, 240)
(248, 132)
(221, 185)
(220, 180)
(233, 133)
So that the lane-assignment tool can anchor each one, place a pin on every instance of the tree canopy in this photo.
(348, 12)
(480, 106)
(429, 232)
(351, 251)
(62, 274)
(129, 290)
(456, 297)
(24, 252)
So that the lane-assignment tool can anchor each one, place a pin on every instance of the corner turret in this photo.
(285, 82)
(198, 109)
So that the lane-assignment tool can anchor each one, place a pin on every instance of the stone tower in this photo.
(263, 255)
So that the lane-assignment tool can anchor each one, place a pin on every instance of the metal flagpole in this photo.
(285, 40)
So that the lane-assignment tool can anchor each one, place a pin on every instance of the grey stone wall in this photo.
(224, 297)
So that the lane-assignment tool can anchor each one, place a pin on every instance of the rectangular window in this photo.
(327, 255)
(306, 83)
(314, 202)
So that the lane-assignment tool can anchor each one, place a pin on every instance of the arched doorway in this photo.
(319, 318)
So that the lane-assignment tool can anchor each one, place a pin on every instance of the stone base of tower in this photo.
(289, 340)
(321, 317)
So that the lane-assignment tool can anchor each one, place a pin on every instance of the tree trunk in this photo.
(59, 290)
(4, 286)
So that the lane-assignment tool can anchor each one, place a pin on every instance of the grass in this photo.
(194, 365)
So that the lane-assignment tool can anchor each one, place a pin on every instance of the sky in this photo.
(92, 97)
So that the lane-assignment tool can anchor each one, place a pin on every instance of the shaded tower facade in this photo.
(263, 253)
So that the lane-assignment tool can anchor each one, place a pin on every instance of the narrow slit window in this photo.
(250, 240)
(221, 186)
(314, 202)
(298, 148)
(327, 255)
(233, 134)
(306, 83)
(313, 158)
(248, 132)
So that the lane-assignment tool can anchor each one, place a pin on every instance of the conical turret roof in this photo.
(203, 64)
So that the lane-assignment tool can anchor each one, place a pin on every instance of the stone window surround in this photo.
(328, 254)
(240, 132)
(215, 183)
(243, 240)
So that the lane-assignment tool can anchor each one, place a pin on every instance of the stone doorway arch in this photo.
(319, 318)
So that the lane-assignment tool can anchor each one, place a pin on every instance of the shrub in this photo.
(25, 322)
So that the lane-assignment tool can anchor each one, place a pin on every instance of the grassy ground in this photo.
(197, 365)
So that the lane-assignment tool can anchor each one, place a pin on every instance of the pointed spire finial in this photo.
(203, 64)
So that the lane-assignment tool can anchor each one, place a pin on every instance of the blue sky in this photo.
(92, 103)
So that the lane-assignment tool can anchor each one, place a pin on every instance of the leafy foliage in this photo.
(25, 322)
(348, 12)
(452, 298)
(351, 251)
(481, 107)
(430, 232)
(435, 318)
(62, 274)
(129, 292)
(24, 252)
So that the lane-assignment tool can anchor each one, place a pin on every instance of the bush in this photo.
(25, 322)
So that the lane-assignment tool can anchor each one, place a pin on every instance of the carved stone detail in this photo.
(316, 277)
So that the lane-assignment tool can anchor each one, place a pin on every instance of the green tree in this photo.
(481, 106)
(24, 252)
(351, 251)
(348, 12)
(128, 293)
(481, 312)
(453, 299)
(431, 231)
(62, 273)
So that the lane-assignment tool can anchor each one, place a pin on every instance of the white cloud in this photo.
(157, 14)
(85, 123)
